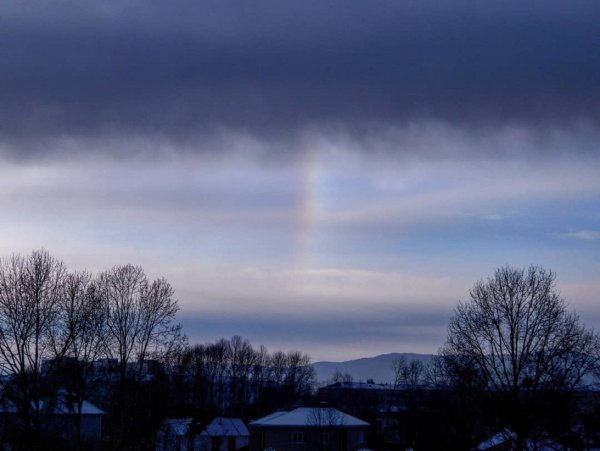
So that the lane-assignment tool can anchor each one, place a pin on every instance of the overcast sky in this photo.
(329, 176)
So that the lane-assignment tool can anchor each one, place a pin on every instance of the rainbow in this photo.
(308, 208)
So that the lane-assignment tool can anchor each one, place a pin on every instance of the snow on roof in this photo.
(498, 439)
(310, 416)
(529, 445)
(59, 407)
(7, 407)
(271, 416)
(87, 408)
(221, 427)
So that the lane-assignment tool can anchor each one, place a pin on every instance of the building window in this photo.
(299, 438)
(325, 438)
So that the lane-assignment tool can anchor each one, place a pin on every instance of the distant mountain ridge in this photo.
(378, 368)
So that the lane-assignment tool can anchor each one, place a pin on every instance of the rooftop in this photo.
(220, 427)
(310, 416)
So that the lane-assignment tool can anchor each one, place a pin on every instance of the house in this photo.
(63, 417)
(224, 434)
(175, 434)
(185, 434)
(305, 428)
(59, 417)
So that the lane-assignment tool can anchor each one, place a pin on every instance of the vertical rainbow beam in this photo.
(307, 209)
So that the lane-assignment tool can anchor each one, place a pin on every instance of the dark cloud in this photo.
(184, 72)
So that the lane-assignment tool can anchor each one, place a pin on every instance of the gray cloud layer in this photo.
(183, 72)
(344, 336)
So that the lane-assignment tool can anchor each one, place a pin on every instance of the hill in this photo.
(378, 368)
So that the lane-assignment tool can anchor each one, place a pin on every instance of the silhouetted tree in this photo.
(242, 361)
(342, 378)
(260, 379)
(30, 290)
(408, 372)
(514, 339)
(141, 316)
(300, 375)
(140, 324)
(79, 339)
(327, 421)
(231, 377)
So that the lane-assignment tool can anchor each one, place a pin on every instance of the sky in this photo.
(327, 176)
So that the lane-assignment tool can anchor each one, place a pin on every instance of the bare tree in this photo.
(243, 357)
(327, 421)
(260, 376)
(515, 337)
(436, 373)
(140, 316)
(324, 417)
(79, 339)
(292, 375)
(30, 289)
(341, 378)
(140, 323)
(278, 368)
(219, 357)
(300, 377)
(409, 373)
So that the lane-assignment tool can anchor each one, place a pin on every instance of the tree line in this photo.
(515, 359)
(55, 324)
(231, 377)
(113, 338)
